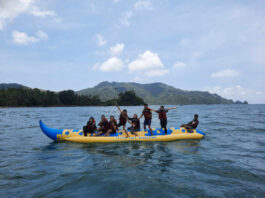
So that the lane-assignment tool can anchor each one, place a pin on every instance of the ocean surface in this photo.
(228, 162)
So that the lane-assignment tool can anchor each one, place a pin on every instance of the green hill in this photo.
(12, 85)
(154, 93)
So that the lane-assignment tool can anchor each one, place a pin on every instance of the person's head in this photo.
(111, 118)
(162, 107)
(196, 117)
(91, 119)
(102, 117)
(145, 106)
(124, 111)
(135, 116)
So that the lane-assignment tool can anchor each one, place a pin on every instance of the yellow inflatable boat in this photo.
(75, 135)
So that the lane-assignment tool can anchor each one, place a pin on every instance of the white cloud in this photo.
(238, 93)
(145, 61)
(10, 9)
(125, 19)
(179, 65)
(143, 5)
(100, 40)
(112, 64)
(158, 72)
(35, 11)
(117, 49)
(225, 73)
(116, 1)
(21, 38)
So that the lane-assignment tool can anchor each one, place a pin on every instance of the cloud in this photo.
(146, 61)
(225, 73)
(100, 40)
(116, 1)
(35, 11)
(179, 65)
(117, 49)
(112, 64)
(158, 72)
(10, 9)
(22, 38)
(143, 5)
(238, 93)
(125, 19)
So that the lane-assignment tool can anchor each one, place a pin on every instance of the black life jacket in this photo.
(91, 125)
(111, 124)
(162, 114)
(123, 118)
(136, 122)
(147, 114)
(104, 123)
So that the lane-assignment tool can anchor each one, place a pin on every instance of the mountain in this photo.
(154, 93)
(12, 85)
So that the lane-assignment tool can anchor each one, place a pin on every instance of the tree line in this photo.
(18, 97)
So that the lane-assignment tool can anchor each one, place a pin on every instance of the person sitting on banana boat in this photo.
(192, 124)
(162, 115)
(103, 126)
(123, 119)
(135, 124)
(147, 113)
(90, 127)
(112, 126)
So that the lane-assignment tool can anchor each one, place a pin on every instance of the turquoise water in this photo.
(228, 162)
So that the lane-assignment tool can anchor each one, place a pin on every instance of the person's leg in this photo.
(145, 125)
(108, 132)
(149, 126)
(127, 135)
(85, 130)
(99, 133)
(165, 126)
(183, 125)
(188, 127)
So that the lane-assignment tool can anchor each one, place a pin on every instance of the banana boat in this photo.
(77, 135)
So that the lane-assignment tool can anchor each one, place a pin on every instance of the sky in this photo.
(209, 45)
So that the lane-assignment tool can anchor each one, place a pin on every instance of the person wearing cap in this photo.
(162, 115)
(192, 124)
(90, 127)
(123, 119)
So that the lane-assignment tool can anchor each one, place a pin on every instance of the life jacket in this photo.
(104, 123)
(91, 126)
(110, 125)
(194, 123)
(162, 114)
(123, 118)
(147, 114)
(136, 122)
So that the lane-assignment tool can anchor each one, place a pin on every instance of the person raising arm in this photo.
(123, 119)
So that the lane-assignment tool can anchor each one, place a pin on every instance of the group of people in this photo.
(106, 127)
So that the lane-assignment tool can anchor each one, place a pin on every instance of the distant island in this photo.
(106, 94)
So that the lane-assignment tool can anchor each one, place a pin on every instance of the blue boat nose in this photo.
(51, 133)
(200, 132)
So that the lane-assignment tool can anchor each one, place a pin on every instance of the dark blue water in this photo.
(228, 162)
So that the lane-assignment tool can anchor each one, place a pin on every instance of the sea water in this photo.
(228, 162)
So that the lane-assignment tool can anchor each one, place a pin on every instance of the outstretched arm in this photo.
(129, 120)
(141, 116)
(118, 107)
(154, 110)
(171, 108)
